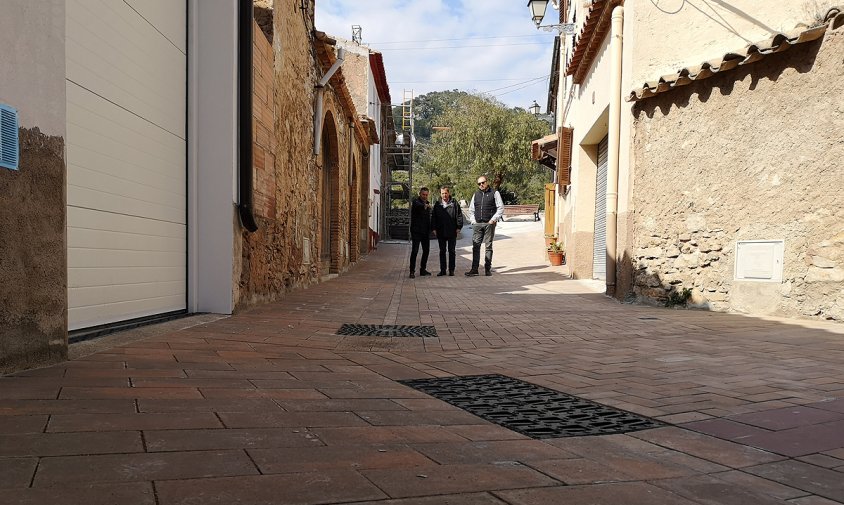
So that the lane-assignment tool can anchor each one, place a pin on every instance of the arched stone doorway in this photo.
(330, 191)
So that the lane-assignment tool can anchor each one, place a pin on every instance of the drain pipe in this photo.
(614, 143)
(244, 115)
(320, 87)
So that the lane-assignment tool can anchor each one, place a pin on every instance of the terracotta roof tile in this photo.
(588, 41)
(754, 52)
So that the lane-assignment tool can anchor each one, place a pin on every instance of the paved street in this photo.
(272, 407)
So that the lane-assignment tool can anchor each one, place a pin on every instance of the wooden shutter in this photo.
(564, 156)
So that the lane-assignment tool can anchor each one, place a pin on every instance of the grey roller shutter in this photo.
(599, 257)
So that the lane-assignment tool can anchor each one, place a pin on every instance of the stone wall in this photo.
(282, 254)
(356, 74)
(751, 154)
(285, 252)
(33, 263)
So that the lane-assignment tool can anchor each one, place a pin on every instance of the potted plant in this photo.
(556, 253)
(550, 238)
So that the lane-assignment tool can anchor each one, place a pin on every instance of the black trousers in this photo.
(417, 239)
(447, 243)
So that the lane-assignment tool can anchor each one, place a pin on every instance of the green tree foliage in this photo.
(482, 137)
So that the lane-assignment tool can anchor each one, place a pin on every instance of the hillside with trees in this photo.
(461, 135)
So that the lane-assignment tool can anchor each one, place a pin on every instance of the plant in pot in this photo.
(556, 253)
(550, 238)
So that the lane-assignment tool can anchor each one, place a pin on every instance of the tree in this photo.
(483, 137)
(429, 107)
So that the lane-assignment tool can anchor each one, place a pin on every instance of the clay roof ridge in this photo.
(751, 53)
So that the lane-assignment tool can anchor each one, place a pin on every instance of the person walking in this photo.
(447, 221)
(420, 232)
(485, 209)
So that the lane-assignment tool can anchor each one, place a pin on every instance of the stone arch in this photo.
(330, 193)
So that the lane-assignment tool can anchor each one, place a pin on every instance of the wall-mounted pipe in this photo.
(244, 115)
(320, 89)
(614, 141)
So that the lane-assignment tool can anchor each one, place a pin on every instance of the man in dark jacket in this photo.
(485, 209)
(447, 220)
(420, 232)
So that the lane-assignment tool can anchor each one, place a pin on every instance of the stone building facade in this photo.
(649, 198)
(306, 196)
(748, 154)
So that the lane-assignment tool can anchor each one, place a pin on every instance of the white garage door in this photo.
(126, 168)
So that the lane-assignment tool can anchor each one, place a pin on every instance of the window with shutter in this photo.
(564, 157)
(9, 152)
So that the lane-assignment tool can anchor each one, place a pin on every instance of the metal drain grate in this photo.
(387, 330)
(529, 409)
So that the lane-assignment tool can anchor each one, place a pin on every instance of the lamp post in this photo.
(537, 12)
(549, 118)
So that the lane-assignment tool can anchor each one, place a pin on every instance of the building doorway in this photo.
(329, 188)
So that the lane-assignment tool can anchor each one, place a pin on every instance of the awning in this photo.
(544, 150)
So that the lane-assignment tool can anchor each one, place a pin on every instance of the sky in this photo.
(494, 47)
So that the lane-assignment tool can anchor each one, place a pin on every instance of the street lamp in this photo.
(548, 118)
(537, 12)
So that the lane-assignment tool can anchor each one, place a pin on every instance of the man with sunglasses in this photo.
(485, 209)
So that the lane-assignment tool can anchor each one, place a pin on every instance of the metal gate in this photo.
(599, 248)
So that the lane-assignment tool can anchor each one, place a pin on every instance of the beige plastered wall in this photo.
(587, 114)
(676, 33)
(33, 245)
(753, 154)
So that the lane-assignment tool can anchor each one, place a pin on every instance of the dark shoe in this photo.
(412, 276)
(488, 273)
(423, 273)
(440, 274)
(451, 274)
(471, 273)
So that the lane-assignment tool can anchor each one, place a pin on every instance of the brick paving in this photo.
(270, 406)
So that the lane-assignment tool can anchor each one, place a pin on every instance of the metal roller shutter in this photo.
(126, 159)
(599, 256)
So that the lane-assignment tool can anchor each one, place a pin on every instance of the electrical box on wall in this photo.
(759, 260)
(9, 151)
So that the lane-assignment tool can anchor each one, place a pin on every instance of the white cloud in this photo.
(499, 47)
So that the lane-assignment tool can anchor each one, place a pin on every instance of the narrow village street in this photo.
(271, 406)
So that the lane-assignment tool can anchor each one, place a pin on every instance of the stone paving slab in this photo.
(271, 406)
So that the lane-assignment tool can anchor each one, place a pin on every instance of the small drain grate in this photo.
(387, 330)
(529, 409)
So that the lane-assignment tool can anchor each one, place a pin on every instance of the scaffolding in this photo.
(397, 191)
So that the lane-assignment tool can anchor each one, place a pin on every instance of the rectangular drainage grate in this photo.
(387, 330)
(529, 409)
